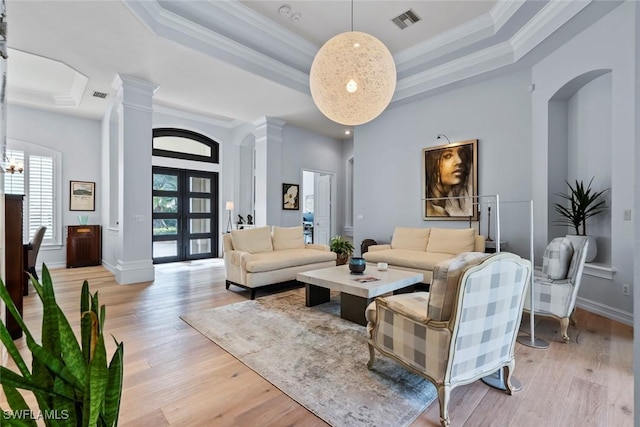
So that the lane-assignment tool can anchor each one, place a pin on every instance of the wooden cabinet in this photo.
(83, 245)
(14, 258)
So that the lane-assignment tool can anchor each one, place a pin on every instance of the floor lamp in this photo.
(229, 207)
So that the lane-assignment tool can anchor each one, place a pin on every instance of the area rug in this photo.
(317, 359)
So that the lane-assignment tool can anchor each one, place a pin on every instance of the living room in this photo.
(510, 113)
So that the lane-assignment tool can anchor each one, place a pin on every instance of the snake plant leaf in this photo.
(50, 310)
(17, 404)
(99, 375)
(8, 343)
(52, 363)
(63, 406)
(103, 315)
(95, 308)
(113, 392)
(12, 379)
(71, 352)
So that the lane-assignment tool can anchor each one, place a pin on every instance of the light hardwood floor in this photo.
(175, 376)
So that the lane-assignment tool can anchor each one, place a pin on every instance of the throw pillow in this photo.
(452, 241)
(414, 239)
(444, 283)
(288, 238)
(252, 240)
(556, 259)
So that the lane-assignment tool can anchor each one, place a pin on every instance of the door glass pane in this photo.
(163, 227)
(165, 182)
(165, 204)
(200, 246)
(200, 225)
(164, 249)
(200, 205)
(200, 185)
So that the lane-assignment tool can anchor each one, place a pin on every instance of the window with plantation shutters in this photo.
(39, 184)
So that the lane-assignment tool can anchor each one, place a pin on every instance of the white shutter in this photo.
(41, 197)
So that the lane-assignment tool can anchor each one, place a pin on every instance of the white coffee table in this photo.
(354, 296)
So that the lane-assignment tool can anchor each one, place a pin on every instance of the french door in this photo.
(185, 215)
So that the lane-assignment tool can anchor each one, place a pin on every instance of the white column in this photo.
(135, 262)
(268, 171)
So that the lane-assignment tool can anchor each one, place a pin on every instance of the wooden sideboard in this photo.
(14, 262)
(83, 245)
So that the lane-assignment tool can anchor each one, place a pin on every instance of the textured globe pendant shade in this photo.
(352, 78)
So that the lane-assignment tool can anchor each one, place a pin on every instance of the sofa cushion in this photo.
(451, 241)
(285, 258)
(444, 283)
(287, 238)
(556, 258)
(252, 240)
(414, 239)
(406, 258)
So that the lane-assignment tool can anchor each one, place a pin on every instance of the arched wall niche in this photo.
(580, 147)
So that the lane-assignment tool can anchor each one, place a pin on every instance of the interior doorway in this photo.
(185, 218)
(318, 207)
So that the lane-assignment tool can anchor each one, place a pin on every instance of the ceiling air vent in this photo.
(99, 94)
(406, 19)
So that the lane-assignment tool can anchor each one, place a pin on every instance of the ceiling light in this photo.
(352, 78)
(347, 132)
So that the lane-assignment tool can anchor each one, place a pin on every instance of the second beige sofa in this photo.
(420, 249)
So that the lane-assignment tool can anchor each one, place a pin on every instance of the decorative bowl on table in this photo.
(357, 265)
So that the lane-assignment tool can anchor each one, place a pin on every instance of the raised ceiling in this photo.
(233, 61)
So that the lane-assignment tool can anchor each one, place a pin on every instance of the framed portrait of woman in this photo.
(450, 181)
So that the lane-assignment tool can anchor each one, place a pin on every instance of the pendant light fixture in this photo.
(352, 78)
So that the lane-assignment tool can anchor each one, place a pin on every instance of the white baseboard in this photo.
(605, 311)
(51, 266)
(131, 272)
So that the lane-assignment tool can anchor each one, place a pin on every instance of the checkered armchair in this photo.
(556, 297)
(462, 330)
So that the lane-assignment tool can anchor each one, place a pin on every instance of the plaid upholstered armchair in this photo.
(462, 330)
(555, 289)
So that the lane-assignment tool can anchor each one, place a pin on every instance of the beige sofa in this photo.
(259, 257)
(420, 249)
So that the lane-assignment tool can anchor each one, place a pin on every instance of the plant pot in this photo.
(592, 250)
(342, 259)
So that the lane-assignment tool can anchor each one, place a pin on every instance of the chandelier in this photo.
(14, 166)
(352, 78)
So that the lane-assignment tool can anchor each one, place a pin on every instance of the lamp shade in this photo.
(352, 78)
(229, 206)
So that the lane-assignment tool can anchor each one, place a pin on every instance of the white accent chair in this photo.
(557, 297)
(464, 329)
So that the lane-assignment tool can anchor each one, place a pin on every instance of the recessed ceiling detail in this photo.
(406, 19)
(43, 81)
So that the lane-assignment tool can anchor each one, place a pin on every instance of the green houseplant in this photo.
(71, 381)
(342, 247)
(584, 203)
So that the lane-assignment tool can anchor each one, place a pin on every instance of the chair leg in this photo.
(507, 372)
(372, 356)
(253, 294)
(564, 327)
(443, 400)
(572, 318)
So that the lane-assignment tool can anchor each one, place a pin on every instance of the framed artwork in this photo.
(290, 197)
(82, 196)
(450, 181)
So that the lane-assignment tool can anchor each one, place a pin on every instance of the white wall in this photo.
(79, 141)
(606, 45)
(305, 149)
(387, 155)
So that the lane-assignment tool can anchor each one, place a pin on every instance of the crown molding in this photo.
(181, 30)
(220, 121)
(553, 16)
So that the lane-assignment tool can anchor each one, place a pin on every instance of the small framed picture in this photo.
(290, 197)
(82, 196)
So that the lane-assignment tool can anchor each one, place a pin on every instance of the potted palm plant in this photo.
(584, 203)
(342, 247)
